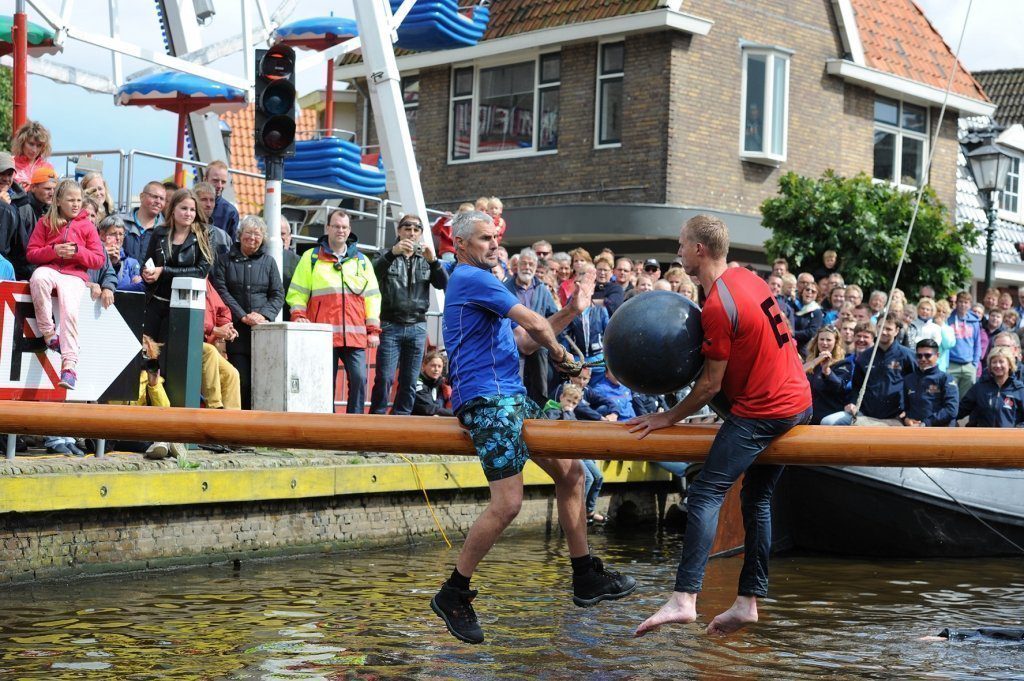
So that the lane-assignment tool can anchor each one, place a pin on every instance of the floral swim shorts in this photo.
(496, 425)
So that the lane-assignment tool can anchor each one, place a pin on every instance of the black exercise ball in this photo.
(653, 343)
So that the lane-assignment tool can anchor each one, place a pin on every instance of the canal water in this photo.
(366, 615)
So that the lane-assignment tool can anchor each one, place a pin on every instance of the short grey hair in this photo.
(562, 258)
(528, 254)
(464, 224)
(1014, 338)
(251, 221)
(204, 188)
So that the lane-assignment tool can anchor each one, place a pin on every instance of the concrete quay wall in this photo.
(62, 519)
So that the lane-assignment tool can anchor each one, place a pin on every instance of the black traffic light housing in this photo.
(275, 102)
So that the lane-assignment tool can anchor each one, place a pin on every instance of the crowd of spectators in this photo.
(935, 361)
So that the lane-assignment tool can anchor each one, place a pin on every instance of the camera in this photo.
(417, 249)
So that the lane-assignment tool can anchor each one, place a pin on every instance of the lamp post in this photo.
(989, 164)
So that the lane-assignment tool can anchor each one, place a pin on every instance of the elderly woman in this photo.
(997, 400)
(247, 278)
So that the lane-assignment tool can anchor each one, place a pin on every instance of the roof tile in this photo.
(1006, 88)
(898, 39)
(249, 191)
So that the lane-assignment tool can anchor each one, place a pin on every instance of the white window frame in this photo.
(600, 80)
(901, 132)
(1006, 213)
(406, 106)
(475, 156)
(772, 53)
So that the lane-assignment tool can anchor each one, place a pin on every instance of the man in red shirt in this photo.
(750, 357)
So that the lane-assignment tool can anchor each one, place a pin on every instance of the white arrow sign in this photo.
(28, 372)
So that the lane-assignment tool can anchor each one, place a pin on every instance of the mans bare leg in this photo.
(506, 500)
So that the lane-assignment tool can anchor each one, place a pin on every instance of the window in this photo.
(611, 67)
(765, 105)
(900, 140)
(505, 110)
(1009, 198)
(411, 99)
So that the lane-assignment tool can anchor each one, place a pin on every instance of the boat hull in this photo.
(900, 512)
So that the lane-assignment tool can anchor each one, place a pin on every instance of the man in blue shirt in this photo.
(224, 214)
(485, 329)
(966, 353)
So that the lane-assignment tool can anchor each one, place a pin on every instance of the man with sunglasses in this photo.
(543, 250)
(930, 396)
(405, 273)
(652, 268)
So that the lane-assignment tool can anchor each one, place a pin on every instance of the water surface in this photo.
(366, 615)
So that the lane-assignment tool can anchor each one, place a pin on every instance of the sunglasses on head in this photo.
(410, 224)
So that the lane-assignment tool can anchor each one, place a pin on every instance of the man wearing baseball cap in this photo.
(652, 268)
(31, 206)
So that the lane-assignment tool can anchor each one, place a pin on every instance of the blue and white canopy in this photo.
(181, 92)
(317, 33)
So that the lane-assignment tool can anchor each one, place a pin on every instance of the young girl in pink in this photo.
(64, 245)
(30, 147)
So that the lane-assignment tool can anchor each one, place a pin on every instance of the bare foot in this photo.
(742, 613)
(681, 608)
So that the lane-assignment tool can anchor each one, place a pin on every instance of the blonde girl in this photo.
(64, 246)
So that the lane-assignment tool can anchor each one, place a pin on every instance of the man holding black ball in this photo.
(750, 356)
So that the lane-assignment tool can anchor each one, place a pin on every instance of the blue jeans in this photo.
(839, 418)
(594, 480)
(736, 447)
(676, 468)
(401, 347)
(354, 360)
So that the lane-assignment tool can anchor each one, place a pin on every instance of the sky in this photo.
(82, 120)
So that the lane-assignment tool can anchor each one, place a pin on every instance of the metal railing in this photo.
(378, 216)
(122, 155)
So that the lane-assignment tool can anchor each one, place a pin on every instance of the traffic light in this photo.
(275, 102)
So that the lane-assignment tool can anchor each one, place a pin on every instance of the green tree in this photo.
(865, 222)
(6, 106)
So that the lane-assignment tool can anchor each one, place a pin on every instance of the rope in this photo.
(972, 513)
(917, 205)
(430, 507)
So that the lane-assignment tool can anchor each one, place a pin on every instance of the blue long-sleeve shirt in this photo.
(614, 398)
(226, 217)
(829, 393)
(967, 349)
(931, 397)
(988, 405)
(883, 398)
(6, 269)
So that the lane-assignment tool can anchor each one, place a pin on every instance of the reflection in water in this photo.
(366, 616)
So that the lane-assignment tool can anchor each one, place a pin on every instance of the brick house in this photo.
(610, 123)
(1006, 88)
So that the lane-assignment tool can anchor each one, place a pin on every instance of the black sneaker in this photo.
(455, 607)
(600, 584)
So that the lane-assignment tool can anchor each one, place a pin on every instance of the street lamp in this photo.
(989, 164)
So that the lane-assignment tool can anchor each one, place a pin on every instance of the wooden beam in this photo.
(807, 445)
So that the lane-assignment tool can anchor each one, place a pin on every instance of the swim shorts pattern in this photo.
(496, 425)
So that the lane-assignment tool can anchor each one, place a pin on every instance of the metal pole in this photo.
(179, 171)
(990, 236)
(20, 31)
(329, 100)
(274, 173)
